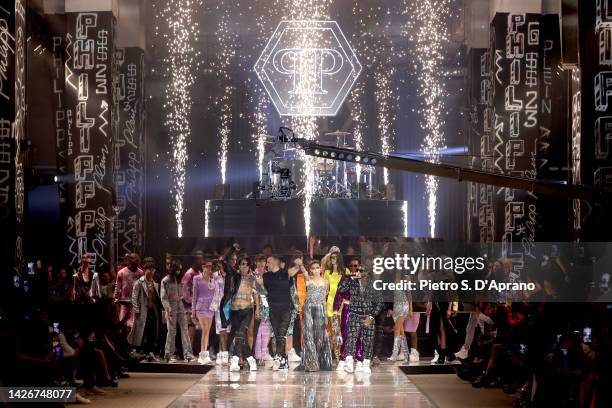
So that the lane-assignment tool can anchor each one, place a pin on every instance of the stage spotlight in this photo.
(365, 159)
(317, 152)
(373, 162)
(332, 155)
(357, 158)
(349, 157)
(325, 153)
(55, 179)
(341, 156)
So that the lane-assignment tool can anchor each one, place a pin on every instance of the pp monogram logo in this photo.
(308, 68)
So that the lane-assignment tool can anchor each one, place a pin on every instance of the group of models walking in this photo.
(337, 306)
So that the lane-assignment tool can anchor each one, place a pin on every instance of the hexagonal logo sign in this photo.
(308, 68)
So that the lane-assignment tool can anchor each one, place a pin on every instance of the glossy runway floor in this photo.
(385, 387)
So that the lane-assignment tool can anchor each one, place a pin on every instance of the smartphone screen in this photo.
(586, 335)
(57, 349)
(56, 327)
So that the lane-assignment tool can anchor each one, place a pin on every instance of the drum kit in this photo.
(284, 168)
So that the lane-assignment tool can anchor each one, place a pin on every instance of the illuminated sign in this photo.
(308, 68)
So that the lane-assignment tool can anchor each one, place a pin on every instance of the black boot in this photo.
(442, 358)
(450, 356)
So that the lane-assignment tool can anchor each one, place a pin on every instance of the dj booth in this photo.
(329, 217)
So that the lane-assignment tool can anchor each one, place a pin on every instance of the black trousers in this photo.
(280, 316)
(151, 332)
(237, 341)
(438, 318)
(256, 323)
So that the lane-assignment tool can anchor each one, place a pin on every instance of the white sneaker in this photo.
(436, 357)
(234, 365)
(340, 366)
(348, 365)
(205, 358)
(462, 354)
(414, 356)
(219, 360)
(173, 359)
(359, 367)
(201, 356)
(276, 363)
(366, 367)
(225, 358)
(252, 363)
(293, 357)
(284, 365)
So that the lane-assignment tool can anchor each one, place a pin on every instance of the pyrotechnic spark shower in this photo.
(306, 126)
(375, 48)
(258, 96)
(227, 51)
(383, 96)
(427, 28)
(179, 32)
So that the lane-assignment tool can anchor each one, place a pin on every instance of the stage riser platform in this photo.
(329, 217)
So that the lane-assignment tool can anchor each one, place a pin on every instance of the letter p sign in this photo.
(308, 68)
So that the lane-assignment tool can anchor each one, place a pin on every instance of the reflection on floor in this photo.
(385, 387)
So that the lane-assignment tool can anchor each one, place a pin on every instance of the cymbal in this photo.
(338, 133)
(364, 169)
(269, 137)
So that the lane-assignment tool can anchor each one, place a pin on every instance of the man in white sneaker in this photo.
(172, 300)
(366, 303)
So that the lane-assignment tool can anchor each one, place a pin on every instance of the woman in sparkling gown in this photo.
(317, 350)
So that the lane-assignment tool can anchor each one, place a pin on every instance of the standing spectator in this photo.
(146, 306)
(172, 300)
(123, 290)
(187, 281)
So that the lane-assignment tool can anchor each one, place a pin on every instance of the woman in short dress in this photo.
(205, 301)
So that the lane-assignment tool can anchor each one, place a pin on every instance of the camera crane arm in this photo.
(312, 148)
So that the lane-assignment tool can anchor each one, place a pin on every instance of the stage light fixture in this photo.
(365, 160)
(373, 162)
(341, 156)
(349, 157)
(332, 155)
(317, 152)
(357, 158)
(325, 153)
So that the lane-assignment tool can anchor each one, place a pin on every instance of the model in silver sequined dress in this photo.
(317, 351)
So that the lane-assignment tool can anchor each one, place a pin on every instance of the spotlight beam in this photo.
(458, 173)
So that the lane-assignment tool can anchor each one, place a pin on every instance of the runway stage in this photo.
(387, 386)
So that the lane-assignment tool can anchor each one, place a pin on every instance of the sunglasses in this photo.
(354, 266)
